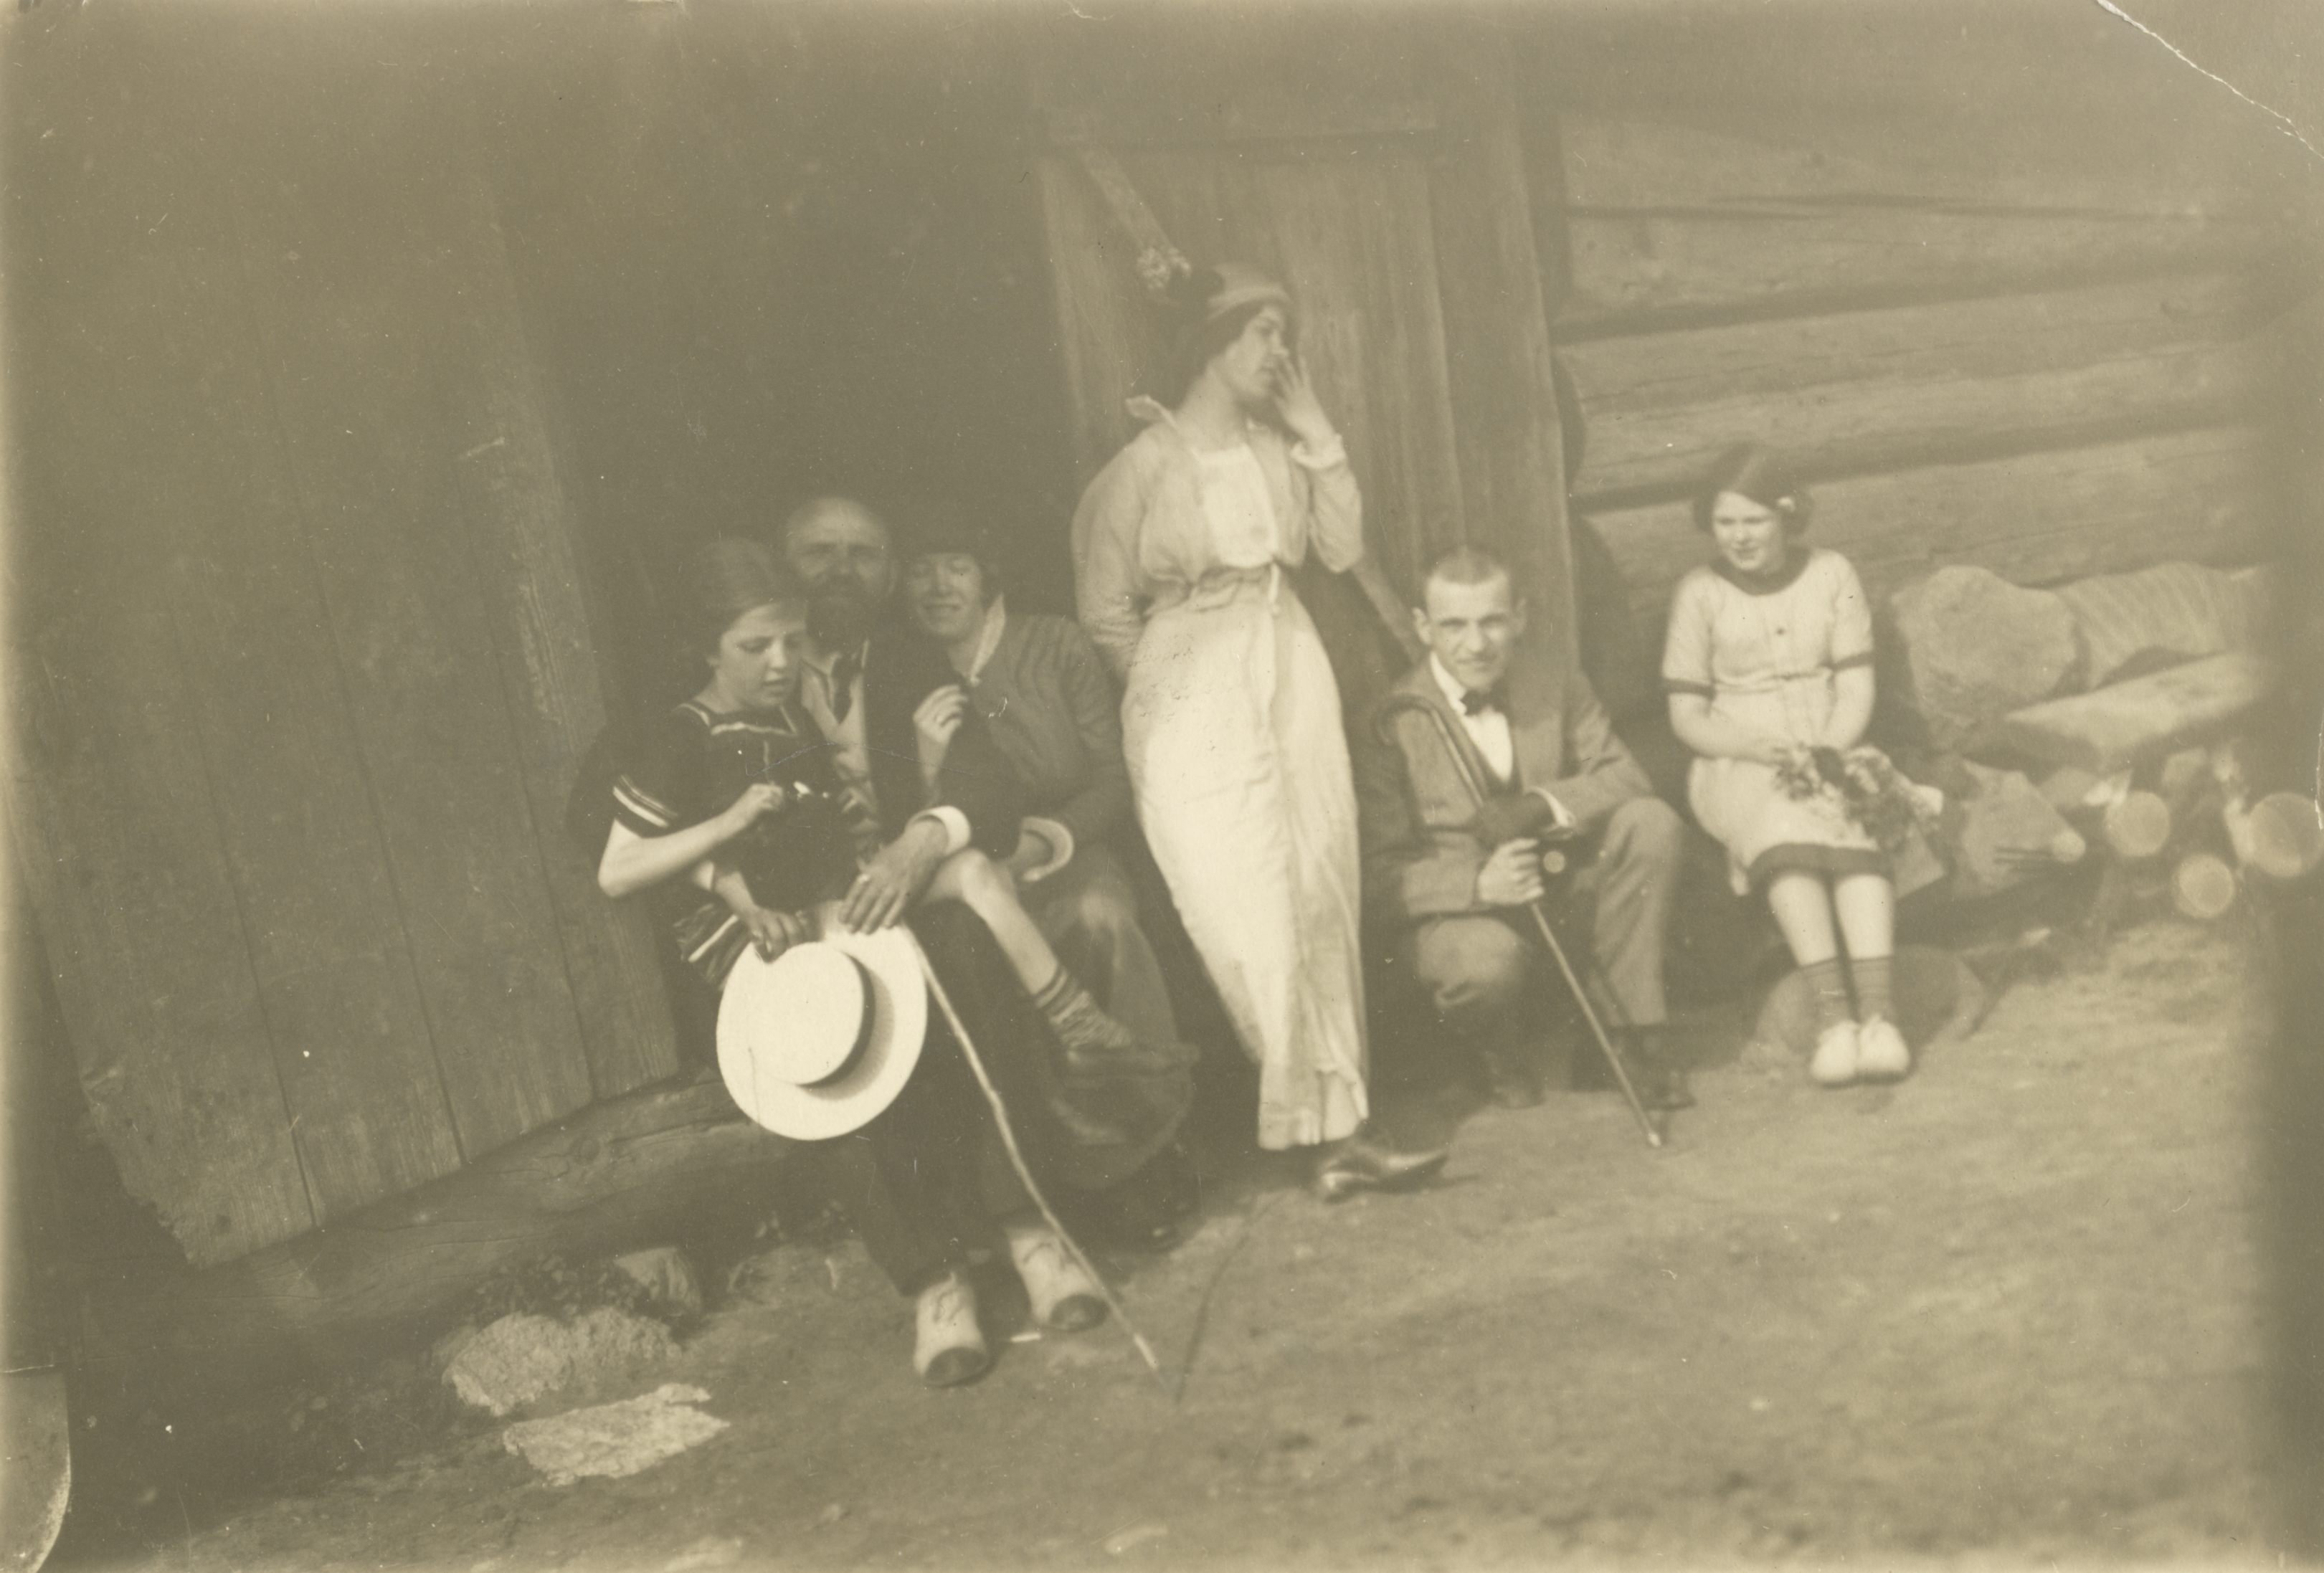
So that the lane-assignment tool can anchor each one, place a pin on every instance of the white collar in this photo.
(996, 623)
(1153, 412)
(1454, 693)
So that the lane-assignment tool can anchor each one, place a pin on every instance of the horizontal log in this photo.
(1883, 389)
(615, 1175)
(2129, 722)
(1668, 222)
(2031, 517)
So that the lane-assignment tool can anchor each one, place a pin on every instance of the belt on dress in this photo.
(1222, 587)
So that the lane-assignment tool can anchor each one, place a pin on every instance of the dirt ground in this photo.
(2007, 1311)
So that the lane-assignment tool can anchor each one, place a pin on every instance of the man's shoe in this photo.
(1834, 1064)
(1656, 1072)
(1360, 1163)
(1880, 1051)
(1063, 1297)
(1511, 1082)
(947, 1345)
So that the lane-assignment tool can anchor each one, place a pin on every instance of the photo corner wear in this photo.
(1231, 723)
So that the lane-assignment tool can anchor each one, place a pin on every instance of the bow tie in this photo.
(1476, 703)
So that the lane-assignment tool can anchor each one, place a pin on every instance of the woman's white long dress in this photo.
(1230, 722)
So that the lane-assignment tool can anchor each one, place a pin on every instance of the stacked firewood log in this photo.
(2103, 718)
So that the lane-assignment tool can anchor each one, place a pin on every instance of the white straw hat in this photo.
(817, 1042)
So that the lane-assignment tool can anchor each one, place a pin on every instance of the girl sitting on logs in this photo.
(1768, 668)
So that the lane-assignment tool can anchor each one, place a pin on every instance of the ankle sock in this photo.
(1828, 981)
(1875, 983)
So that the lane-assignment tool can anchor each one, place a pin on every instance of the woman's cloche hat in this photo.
(817, 1042)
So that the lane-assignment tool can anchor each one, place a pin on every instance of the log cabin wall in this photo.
(2007, 313)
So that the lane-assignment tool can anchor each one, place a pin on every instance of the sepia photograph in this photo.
(1177, 783)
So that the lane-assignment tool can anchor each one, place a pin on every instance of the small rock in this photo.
(615, 1439)
(832, 1514)
(522, 1357)
(665, 1273)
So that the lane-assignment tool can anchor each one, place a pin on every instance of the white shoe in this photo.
(1880, 1051)
(1065, 1298)
(1834, 1064)
(947, 1345)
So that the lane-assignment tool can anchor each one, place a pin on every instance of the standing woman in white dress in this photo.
(1231, 715)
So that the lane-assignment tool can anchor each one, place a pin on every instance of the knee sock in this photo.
(1828, 980)
(1874, 978)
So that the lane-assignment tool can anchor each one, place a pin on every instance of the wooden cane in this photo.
(1017, 1162)
(1540, 919)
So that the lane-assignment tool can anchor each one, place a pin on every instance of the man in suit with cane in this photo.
(1476, 763)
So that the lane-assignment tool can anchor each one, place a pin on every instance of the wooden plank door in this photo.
(301, 668)
(1378, 173)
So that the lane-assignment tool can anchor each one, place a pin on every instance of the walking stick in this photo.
(1017, 1162)
(1467, 774)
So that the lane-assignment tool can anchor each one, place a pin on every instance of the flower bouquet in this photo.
(1874, 794)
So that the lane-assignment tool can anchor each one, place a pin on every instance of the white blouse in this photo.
(1243, 533)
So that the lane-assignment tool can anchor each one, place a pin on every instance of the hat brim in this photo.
(750, 1018)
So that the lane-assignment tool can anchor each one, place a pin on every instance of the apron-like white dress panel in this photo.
(1230, 721)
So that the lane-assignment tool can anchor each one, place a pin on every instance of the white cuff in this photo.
(1330, 456)
(954, 822)
(1559, 815)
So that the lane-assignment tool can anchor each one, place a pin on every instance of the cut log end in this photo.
(2202, 887)
(2286, 835)
(2138, 826)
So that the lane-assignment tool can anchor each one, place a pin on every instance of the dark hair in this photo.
(720, 580)
(1466, 564)
(941, 531)
(1196, 338)
(1764, 476)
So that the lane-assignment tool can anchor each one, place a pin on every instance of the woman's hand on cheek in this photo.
(1302, 411)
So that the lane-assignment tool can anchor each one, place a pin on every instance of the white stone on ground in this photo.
(522, 1357)
(613, 1440)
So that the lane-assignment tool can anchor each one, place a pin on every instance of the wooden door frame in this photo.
(1462, 113)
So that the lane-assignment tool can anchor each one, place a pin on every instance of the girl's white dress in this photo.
(1766, 658)
(1230, 722)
